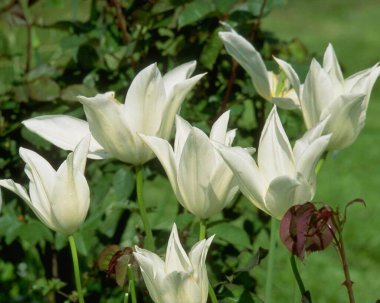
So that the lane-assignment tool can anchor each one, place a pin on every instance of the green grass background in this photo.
(353, 27)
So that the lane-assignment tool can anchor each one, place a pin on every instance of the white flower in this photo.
(326, 92)
(60, 199)
(180, 278)
(283, 93)
(150, 107)
(282, 177)
(200, 179)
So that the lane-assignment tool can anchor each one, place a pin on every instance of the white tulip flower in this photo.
(202, 182)
(180, 278)
(326, 92)
(60, 199)
(150, 107)
(270, 86)
(282, 177)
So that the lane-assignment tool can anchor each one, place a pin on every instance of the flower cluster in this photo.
(205, 172)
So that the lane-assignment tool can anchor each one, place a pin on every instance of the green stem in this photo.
(76, 268)
(202, 236)
(297, 275)
(202, 230)
(271, 259)
(321, 162)
(126, 297)
(131, 287)
(149, 243)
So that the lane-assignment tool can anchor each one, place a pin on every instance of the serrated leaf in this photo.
(211, 50)
(106, 255)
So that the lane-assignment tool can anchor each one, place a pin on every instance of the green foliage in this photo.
(52, 51)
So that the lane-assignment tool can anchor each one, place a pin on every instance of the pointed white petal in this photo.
(290, 74)
(65, 132)
(250, 180)
(280, 196)
(183, 129)
(178, 74)
(346, 124)
(286, 103)
(219, 128)
(18, 189)
(195, 171)
(318, 93)
(250, 59)
(331, 65)
(176, 258)
(275, 157)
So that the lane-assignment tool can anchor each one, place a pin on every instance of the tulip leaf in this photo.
(195, 11)
(231, 234)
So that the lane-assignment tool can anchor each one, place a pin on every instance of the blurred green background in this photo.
(352, 26)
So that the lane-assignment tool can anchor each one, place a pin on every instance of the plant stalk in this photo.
(149, 241)
(74, 255)
(271, 260)
(131, 286)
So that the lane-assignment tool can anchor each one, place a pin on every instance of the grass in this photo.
(352, 26)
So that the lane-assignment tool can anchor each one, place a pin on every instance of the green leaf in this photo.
(71, 92)
(34, 231)
(211, 50)
(123, 183)
(43, 89)
(195, 11)
(231, 234)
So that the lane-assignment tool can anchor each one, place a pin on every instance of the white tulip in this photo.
(267, 84)
(180, 278)
(282, 177)
(326, 92)
(200, 179)
(60, 199)
(150, 107)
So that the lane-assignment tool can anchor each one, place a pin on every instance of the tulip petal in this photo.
(165, 155)
(174, 102)
(219, 128)
(145, 100)
(176, 258)
(110, 127)
(318, 93)
(290, 74)
(250, 180)
(286, 103)
(183, 129)
(280, 196)
(42, 178)
(346, 125)
(332, 67)
(275, 156)
(178, 74)
(250, 59)
(71, 192)
(65, 132)
(195, 170)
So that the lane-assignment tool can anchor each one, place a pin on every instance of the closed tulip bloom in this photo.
(282, 177)
(202, 182)
(268, 85)
(150, 107)
(180, 278)
(60, 199)
(326, 93)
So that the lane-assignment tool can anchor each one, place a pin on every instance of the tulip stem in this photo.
(298, 278)
(271, 259)
(202, 236)
(131, 286)
(74, 255)
(149, 242)
(202, 230)
(321, 162)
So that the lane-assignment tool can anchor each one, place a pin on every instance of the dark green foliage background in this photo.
(52, 51)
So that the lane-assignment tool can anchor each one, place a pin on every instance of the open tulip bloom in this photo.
(150, 107)
(268, 85)
(282, 177)
(326, 92)
(180, 278)
(60, 199)
(201, 180)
